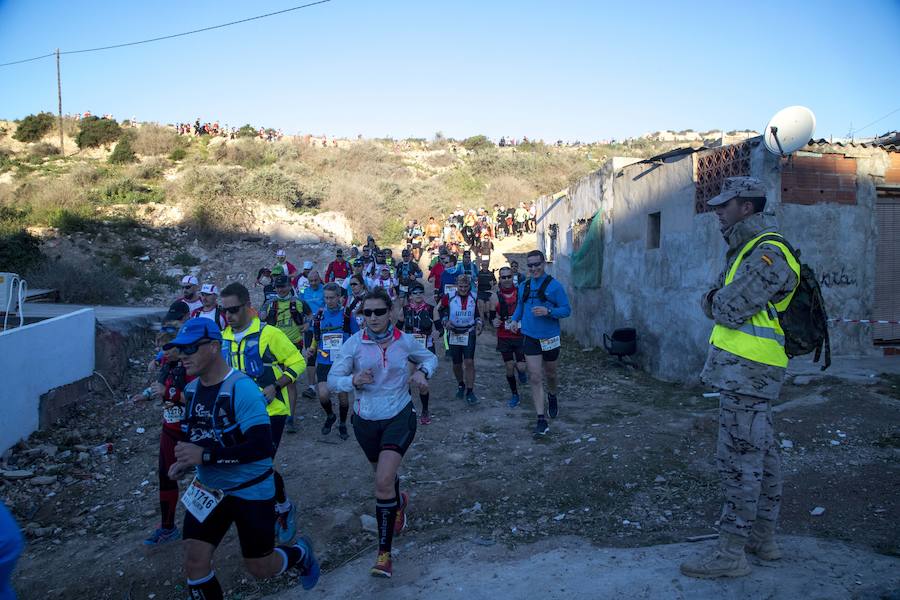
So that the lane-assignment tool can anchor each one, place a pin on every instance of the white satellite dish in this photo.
(789, 130)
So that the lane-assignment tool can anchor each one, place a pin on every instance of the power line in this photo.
(168, 37)
(879, 120)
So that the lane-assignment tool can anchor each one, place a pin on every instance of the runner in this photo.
(332, 326)
(517, 277)
(358, 266)
(337, 270)
(432, 230)
(267, 355)
(418, 321)
(543, 302)
(509, 343)
(459, 315)
(168, 386)
(209, 295)
(485, 286)
(358, 291)
(314, 297)
(449, 275)
(289, 269)
(231, 447)
(303, 280)
(408, 272)
(384, 281)
(374, 363)
(289, 314)
(264, 279)
(190, 288)
(467, 266)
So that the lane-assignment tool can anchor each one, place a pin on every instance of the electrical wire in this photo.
(879, 120)
(167, 37)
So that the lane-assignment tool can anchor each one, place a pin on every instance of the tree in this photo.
(95, 131)
(477, 143)
(247, 130)
(122, 153)
(33, 127)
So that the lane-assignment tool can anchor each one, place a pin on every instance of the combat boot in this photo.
(726, 560)
(762, 540)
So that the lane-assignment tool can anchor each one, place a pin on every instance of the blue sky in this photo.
(563, 69)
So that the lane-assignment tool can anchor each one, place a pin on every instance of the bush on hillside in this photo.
(150, 168)
(19, 250)
(223, 218)
(247, 131)
(178, 154)
(125, 190)
(246, 152)
(477, 143)
(43, 150)
(210, 183)
(95, 131)
(80, 281)
(270, 184)
(153, 140)
(33, 127)
(123, 152)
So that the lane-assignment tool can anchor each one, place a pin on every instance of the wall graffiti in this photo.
(836, 278)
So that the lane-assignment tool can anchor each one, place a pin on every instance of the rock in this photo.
(44, 480)
(817, 511)
(83, 457)
(802, 380)
(659, 479)
(341, 518)
(787, 444)
(17, 474)
(64, 455)
(368, 523)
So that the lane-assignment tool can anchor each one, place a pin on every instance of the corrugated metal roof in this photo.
(824, 142)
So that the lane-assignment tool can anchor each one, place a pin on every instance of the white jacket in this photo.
(385, 397)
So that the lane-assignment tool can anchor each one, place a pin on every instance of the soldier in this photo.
(746, 364)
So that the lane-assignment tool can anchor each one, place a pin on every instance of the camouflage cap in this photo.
(739, 187)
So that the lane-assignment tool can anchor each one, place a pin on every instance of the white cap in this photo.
(209, 288)
(280, 253)
(189, 280)
(307, 264)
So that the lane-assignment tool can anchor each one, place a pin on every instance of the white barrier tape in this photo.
(869, 321)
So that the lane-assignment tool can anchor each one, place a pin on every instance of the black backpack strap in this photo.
(527, 291)
(258, 479)
(542, 291)
(504, 307)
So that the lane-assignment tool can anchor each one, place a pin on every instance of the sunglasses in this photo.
(168, 329)
(506, 277)
(534, 265)
(354, 284)
(233, 310)
(186, 287)
(192, 349)
(378, 312)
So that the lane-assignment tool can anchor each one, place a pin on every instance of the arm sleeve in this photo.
(561, 300)
(256, 446)
(287, 354)
(517, 315)
(340, 377)
(764, 276)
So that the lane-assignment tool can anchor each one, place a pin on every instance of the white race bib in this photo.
(404, 288)
(339, 281)
(200, 501)
(459, 339)
(173, 414)
(421, 339)
(550, 343)
(332, 341)
(449, 289)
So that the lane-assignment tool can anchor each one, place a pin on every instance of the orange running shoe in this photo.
(401, 521)
(383, 567)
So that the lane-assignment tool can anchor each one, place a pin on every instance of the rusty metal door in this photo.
(887, 269)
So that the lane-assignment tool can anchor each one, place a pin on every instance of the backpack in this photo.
(542, 290)
(503, 305)
(317, 323)
(804, 321)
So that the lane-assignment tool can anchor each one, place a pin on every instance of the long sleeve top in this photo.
(557, 303)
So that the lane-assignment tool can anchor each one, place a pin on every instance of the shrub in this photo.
(95, 131)
(43, 149)
(210, 183)
(185, 259)
(222, 217)
(178, 154)
(19, 250)
(80, 281)
(134, 249)
(33, 127)
(150, 168)
(246, 152)
(122, 153)
(477, 143)
(69, 221)
(247, 131)
(156, 140)
(85, 174)
(272, 185)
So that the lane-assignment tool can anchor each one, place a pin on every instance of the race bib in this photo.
(339, 281)
(550, 343)
(486, 257)
(421, 339)
(404, 288)
(173, 414)
(449, 289)
(332, 341)
(200, 501)
(459, 339)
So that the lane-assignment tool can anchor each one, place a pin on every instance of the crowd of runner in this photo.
(232, 362)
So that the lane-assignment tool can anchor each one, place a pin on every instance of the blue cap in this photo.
(194, 330)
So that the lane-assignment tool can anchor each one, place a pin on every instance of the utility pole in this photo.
(59, 95)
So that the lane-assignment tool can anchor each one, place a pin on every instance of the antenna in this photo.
(789, 130)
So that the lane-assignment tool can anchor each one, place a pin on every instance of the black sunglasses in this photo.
(232, 309)
(506, 277)
(186, 287)
(534, 265)
(378, 312)
(192, 349)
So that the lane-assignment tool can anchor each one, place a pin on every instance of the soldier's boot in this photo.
(762, 540)
(726, 560)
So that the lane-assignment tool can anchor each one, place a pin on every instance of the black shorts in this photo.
(254, 519)
(276, 423)
(510, 348)
(485, 296)
(458, 353)
(307, 343)
(532, 347)
(322, 372)
(395, 434)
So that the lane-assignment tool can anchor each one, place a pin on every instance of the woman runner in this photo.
(374, 364)
(418, 320)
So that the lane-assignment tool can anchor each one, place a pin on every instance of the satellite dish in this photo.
(789, 130)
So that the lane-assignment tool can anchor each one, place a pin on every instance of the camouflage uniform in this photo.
(747, 452)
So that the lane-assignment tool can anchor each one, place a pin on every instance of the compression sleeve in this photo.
(256, 446)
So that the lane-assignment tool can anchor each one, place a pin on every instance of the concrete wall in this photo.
(35, 359)
(657, 290)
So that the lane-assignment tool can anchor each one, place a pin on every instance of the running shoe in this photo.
(289, 426)
(460, 392)
(329, 423)
(425, 419)
(542, 428)
(342, 431)
(523, 377)
(310, 571)
(513, 401)
(162, 536)
(471, 399)
(383, 567)
(552, 406)
(286, 525)
(401, 521)
(309, 393)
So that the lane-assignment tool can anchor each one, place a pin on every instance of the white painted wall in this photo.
(37, 358)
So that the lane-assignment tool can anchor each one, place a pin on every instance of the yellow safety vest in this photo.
(761, 339)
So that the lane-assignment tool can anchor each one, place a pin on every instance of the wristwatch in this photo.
(424, 372)
(207, 456)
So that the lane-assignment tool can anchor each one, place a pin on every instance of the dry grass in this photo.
(154, 140)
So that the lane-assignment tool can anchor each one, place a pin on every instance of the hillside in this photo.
(135, 225)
